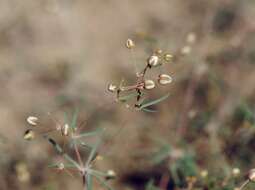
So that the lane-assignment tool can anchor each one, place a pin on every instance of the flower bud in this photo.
(130, 44)
(153, 61)
(110, 175)
(168, 57)
(149, 84)
(29, 135)
(32, 120)
(251, 175)
(164, 79)
(112, 87)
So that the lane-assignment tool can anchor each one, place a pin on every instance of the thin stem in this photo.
(244, 184)
(134, 62)
(78, 154)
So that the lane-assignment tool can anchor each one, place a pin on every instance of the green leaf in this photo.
(103, 183)
(92, 153)
(89, 182)
(89, 134)
(150, 186)
(127, 97)
(154, 101)
(149, 110)
(74, 119)
(162, 154)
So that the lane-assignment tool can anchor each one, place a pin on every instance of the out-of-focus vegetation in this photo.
(59, 55)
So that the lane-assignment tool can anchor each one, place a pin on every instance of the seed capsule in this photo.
(251, 175)
(164, 79)
(204, 173)
(153, 61)
(112, 87)
(130, 44)
(236, 172)
(29, 135)
(32, 120)
(110, 175)
(65, 130)
(149, 84)
(61, 166)
(168, 57)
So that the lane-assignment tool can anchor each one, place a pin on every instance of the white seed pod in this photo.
(32, 120)
(164, 79)
(65, 129)
(236, 172)
(204, 173)
(130, 44)
(112, 87)
(153, 61)
(61, 166)
(186, 50)
(168, 57)
(110, 175)
(149, 84)
(29, 135)
(251, 175)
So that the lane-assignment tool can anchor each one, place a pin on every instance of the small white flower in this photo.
(32, 120)
(153, 61)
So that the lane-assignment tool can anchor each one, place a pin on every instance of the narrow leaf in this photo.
(103, 183)
(154, 101)
(89, 134)
(74, 119)
(89, 182)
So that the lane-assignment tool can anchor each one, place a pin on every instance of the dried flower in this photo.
(153, 61)
(32, 120)
(110, 175)
(251, 175)
(130, 44)
(112, 87)
(29, 135)
(168, 57)
(164, 79)
(149, 84)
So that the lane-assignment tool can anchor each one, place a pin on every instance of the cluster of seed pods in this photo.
(157, 59)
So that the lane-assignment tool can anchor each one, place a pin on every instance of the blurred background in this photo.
(58, 55)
